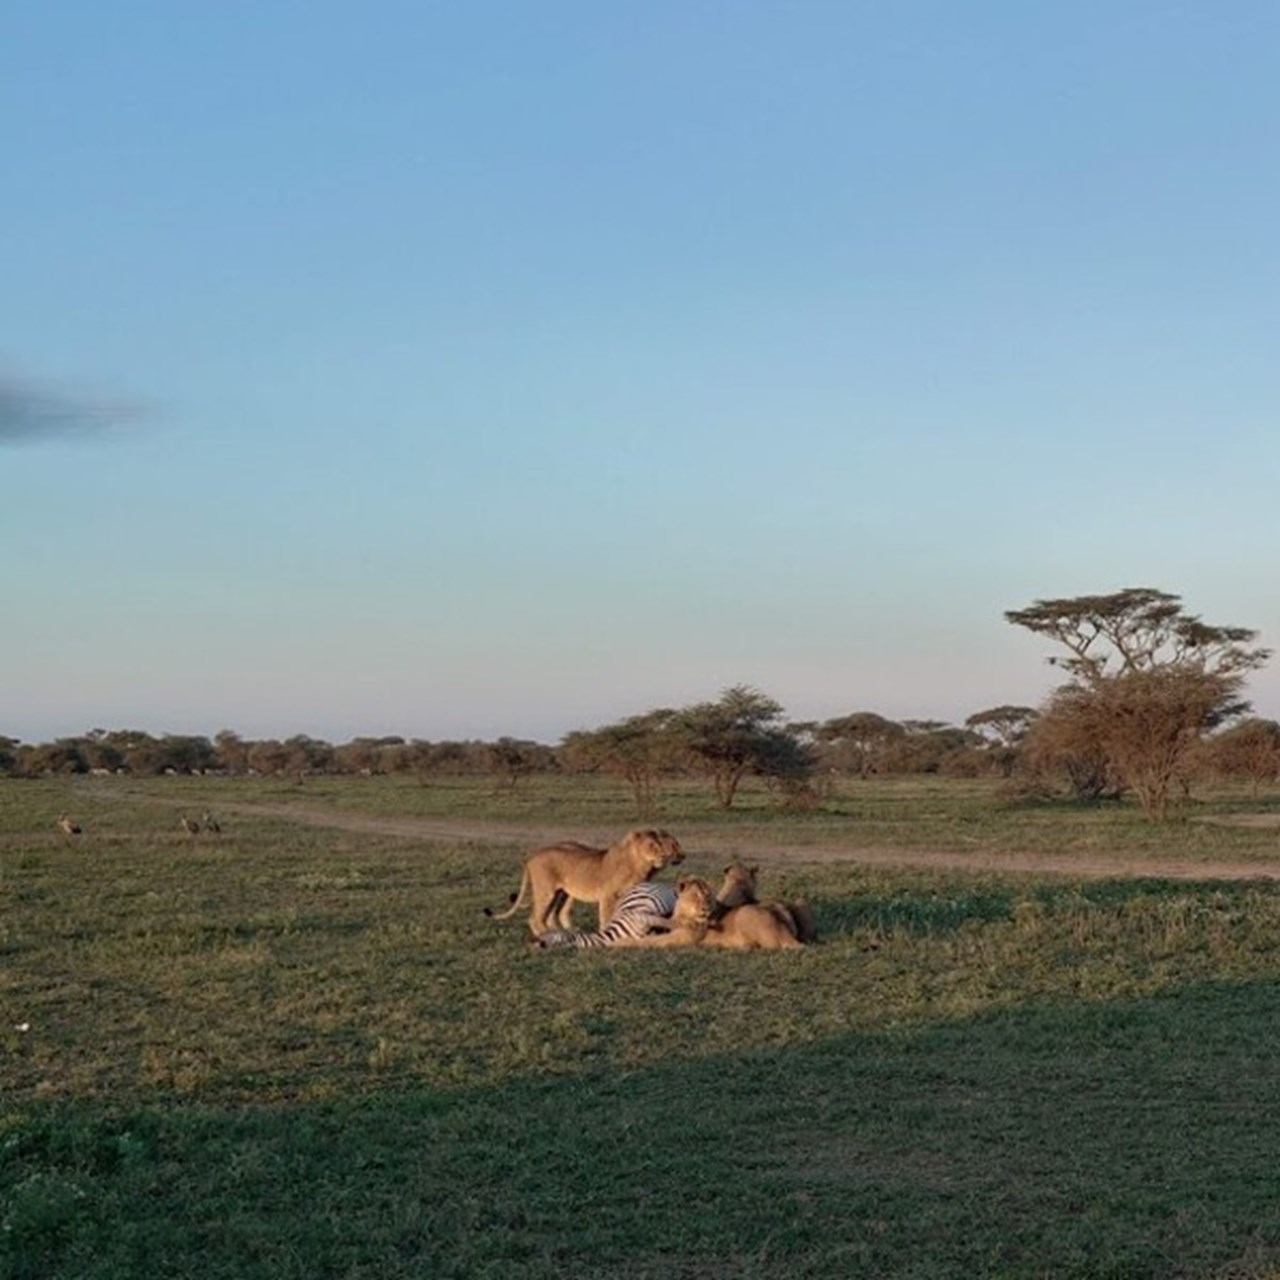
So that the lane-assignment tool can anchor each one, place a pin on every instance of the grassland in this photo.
(298, 1049)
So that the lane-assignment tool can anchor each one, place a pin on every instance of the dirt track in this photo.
(702, 840)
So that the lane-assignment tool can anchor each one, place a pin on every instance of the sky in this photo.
(456, 370)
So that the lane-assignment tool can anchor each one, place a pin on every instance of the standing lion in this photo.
(561, 874)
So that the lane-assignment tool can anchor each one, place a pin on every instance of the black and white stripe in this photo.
(644, 909)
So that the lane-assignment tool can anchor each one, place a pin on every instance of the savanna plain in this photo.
(1034, 1040)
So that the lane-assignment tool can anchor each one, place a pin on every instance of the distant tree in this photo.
(729, 738)
(101, 751)
(399, 757)
(1250, 749)
(1146, 681)
(1150, 724)
(786, 760)
(305, 755)
(366, 755)
(417, 756)
(858, 743)
(8, 754)
(267, 756)
(1066, 741)
(357, 756)
(1003, 726)
(641, 749)
(513, 759)
(64, 755)
(931, 746)
(140, 751)
(1002, 730)
(457, 759)
(1137, 630)
(230, 752)
(186, 753)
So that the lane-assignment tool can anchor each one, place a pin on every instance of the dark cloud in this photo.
(30, 412)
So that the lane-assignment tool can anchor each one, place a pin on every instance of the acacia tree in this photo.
(307, 755)
(1146, 680)
(516, 758)
(1002, 730)
(736, 735)
(1250, 749)
(858, 742)
(1064, 741)
(231, 751)
(640, 749)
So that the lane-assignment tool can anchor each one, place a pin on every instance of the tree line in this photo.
(739, 735)
(1152, 702)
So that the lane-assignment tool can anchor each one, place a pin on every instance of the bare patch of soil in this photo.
(1257, 820)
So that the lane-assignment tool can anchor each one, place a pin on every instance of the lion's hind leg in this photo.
(550, 908)
(561, 910)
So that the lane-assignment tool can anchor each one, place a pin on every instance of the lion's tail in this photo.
(516, 899)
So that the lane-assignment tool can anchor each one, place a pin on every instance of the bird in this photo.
(211, 824)
(67, 827)
(190, 826)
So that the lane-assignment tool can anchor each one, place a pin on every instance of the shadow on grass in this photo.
(1130, 1139)
(930, 913)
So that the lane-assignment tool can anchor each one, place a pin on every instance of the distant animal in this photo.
(67, 827)
(211, 824)
(738, 889)
(189, 825)
(561, 874)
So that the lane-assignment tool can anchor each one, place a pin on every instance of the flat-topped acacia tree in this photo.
(740, 733)
(1147, 680)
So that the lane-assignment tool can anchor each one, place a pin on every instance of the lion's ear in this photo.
(681, 885)
(728, 868)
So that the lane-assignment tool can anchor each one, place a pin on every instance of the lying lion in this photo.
(561, 874)
(738, 889)
(659, 915)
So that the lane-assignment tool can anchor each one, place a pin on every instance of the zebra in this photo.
(644, 909)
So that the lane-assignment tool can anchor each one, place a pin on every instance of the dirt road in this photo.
(709, 841)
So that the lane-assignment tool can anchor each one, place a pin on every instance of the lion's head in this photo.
(657, 848)
(738, 886)
(695, 902)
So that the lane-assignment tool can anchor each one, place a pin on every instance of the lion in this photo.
(752, 927)
(568, 872)
(748, 927)
(687, 925)
(738, 889)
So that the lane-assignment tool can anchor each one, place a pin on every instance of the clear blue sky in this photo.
(461, 369)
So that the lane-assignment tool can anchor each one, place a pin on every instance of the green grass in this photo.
(953, 815)
(299, 1052)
